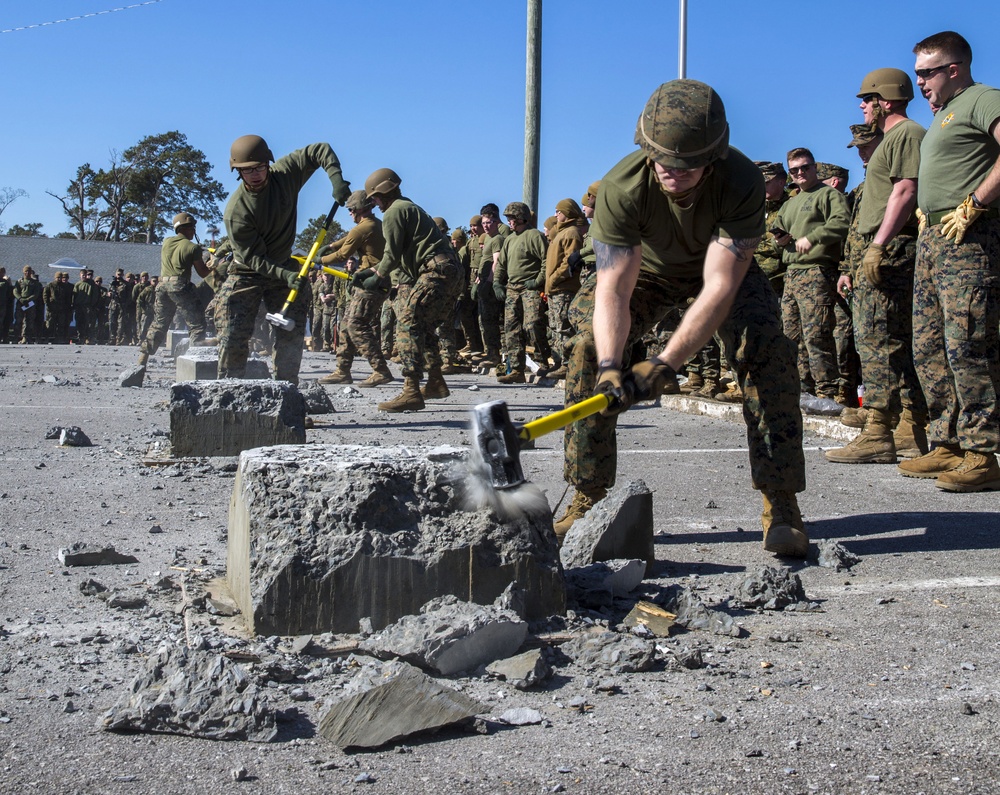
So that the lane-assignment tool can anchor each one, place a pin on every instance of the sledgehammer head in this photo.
(280, 321)
(496, 440)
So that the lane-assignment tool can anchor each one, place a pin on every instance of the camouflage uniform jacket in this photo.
(365, 239)
(28, 290)
(854, 246)
(768, 253)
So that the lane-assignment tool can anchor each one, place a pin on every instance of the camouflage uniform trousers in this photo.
(420, 309)
(115, 321)
(360, 330)
(956, 334)
(489, 316)
(31, 322)
(883, 330)
(560, 331)
(85, 320)
(126, 330)
(468, 313)
(448, 336)
(656, 340)
(848, 361)
(752, 338)
(388, 321)
(58, 323)
(172, 295)
(329, 332)
(239, 300)
(809, 297)
(524, 323)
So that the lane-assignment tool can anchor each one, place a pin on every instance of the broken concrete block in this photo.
(317, 399)
(73, 436)
(321, 537)
(834, 555)
(388, 701)
(654, 618)
(134, 376)
(196, 693)
(450, 636)
(523, 670)
(83, 554)
(521, 716)
(771, 588)
(693, 614)
(619, 654)
(598, 584)
(174, 339)
(222, 418)
(619, 526)
(202, 364)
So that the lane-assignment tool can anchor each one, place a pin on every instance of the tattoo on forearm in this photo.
(743, 247)
(608, 256)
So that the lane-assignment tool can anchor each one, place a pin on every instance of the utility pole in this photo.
(682, 41)
(533, 105)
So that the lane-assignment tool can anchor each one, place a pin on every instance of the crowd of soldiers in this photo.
(86, 312)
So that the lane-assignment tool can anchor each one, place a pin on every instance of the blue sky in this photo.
(435, 89)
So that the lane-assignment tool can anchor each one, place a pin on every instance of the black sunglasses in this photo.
(924, 74)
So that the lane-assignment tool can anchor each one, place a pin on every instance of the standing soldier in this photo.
(62, 309)
(115, 306)
(490, 308)
(518, 281)
(884, 287)
(467, 314)
(326, 289)
(562, 279)
(415, 246)
(138, 303)
(679, 219)
(29, 295)
(129, 294)
(956, 341)
(260, 220)
(175, 291)
(49, 297)
(85, 300)
(361, 332)
(6, 306)
(145, 301)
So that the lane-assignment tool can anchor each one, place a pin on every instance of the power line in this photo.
(81, 16)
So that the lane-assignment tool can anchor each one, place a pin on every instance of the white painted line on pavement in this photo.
(667, 452)
(911, 585)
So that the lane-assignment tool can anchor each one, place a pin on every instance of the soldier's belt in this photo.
(172, 279)
(933, 219)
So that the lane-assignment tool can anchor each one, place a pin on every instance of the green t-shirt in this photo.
(178, 256)
(958, 150)
(820, 215)
(897, 157)
(522, 258)
(631, 209)
(491, 246)
(411, 238)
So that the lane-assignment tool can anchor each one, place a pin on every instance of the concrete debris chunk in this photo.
(654, 618)
(770, 588)
(619, 526)
(599, 584)
(83, 554)
(73, 436)
(523, 671)
(834, 555)
(317, 399)
(194, 693)
(134, 376)
(389, 701)
(92, 587)
(692, 613)
(321, 537)
(617, 654)
(222, 418)
(450, 636)
(521, 716)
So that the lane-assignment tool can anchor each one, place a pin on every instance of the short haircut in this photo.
(952, 45)
(490, 209)
(798, 153)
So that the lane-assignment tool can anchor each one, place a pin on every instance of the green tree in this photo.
(28, 230)
(305, 238)
(82, 205)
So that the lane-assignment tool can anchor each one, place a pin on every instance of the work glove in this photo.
(360, 277)
(535, 284)
(921, 221)
(376, 282)
(872, 262)
(499, 291)
(645, 381)
(609, 382)
(475, 292)
(961, 218)
(342, 192)
(290, 277)
(575, 262)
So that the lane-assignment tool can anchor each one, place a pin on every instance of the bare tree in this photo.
(86, 218)
(7, 197)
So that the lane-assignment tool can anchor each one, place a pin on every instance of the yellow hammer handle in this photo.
(335, 272)
(561, 419)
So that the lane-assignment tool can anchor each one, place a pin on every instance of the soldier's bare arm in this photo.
(989, 188)
(617, 272)
(898, 210)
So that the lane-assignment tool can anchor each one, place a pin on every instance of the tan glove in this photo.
(648, 378)
(921, 221)
(872, 261)
(961, 218)
(609, 382)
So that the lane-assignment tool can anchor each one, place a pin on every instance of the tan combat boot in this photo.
(733, 394)
(491, 358)
(910, 434)
(409, 399)
(513, 377)
(709, 389)
(941, 459)
(558, 374)
(977, 472)
(583, 500)
(854, 418)
(380, 375)
(435, 388)
(873, 445)
(784, 530)
(338, 376)
(693, 384)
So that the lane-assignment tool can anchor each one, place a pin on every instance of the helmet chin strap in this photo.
(682, 197)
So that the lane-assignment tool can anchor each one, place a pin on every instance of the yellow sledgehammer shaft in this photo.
(560, 419)
(331, 271)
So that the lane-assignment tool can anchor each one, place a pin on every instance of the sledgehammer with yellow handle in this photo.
(278, 318)
(325, 269)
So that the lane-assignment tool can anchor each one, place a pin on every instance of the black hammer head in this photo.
(496, 440)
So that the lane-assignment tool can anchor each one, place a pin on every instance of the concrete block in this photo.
(522, 671)
(221, 418)
(174, 338)
(83, 554)
(619, 526)
(202, 364)
(321, 537)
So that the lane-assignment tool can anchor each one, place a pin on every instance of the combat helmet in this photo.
(683, 125)
(358, 201)
(518, 210)
(383, 180)
(888, 83)
(183, 219)
(249, 150)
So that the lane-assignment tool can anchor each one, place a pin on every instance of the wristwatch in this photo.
(975, 201)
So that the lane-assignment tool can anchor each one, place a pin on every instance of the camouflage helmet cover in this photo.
(888, 83)
(249, 150)
(518, 210)
(864, 134)
(770, 170)
(683, 125)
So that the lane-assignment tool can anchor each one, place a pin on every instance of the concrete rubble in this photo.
(317, 399)
(84, 554)
(199, 694)
(223, 418)
(133, 376)
(611, 652)
(599, 584)
(693, 614)
(834, 555)
(770, 588)
(73, 436)
(202, 364)
(450, 636)
(522, 671)
(619, 526)
(322, 537)
(389, 701)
